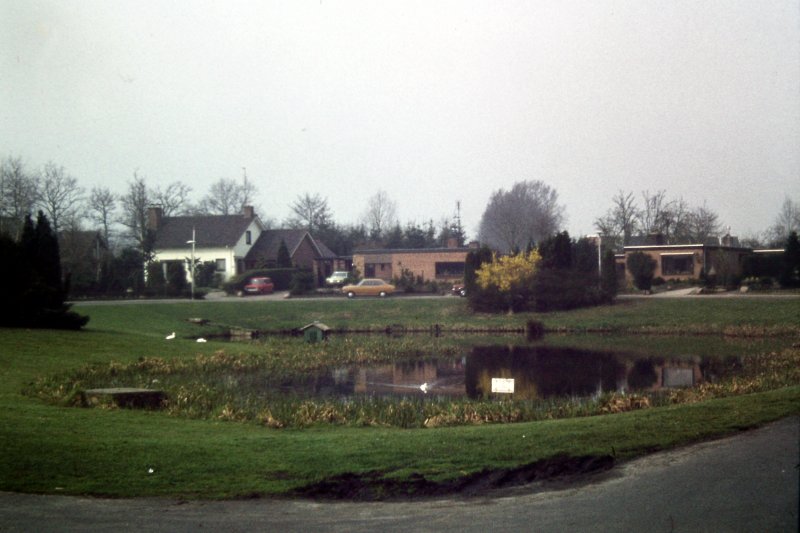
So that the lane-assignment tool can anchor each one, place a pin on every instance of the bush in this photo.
(641, 266)
(302, 282)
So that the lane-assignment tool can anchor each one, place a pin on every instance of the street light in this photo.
(191, 268)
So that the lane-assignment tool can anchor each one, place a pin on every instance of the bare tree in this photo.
(676, 222)
(311, 213)
(528, 212)
(61, 198)
(654, 215)
(174, 200)
(102, 204)
(381, 214)
(622, 220)
(228, 197)
(703, 224)
(787, 221)
(135, 203)
(18, 189)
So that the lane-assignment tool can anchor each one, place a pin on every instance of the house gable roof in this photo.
(268, 243)
(213, 231)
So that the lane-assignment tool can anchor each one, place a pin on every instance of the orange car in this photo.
(369, 287)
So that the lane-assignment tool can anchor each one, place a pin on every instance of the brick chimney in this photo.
(452, 242)
(247, 211)
(154, 214)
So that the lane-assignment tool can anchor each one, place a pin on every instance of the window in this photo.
(369, 270)
(220, 265)
(248, 237)
(450, 269)
(677, 265)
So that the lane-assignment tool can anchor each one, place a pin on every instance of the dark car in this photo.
(259, 286)
(460, 289)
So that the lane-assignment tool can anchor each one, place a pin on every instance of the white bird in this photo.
(201, 340)
(170, 337)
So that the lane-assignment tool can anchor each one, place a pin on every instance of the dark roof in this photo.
(211, 231)
(324, 251)
(269, 241)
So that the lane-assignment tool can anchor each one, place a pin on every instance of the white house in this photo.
(224, 239)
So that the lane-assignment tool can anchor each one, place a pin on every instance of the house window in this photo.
(220, 265)
(369, 270)
(450, 269)
(677, 265)
(248, 237)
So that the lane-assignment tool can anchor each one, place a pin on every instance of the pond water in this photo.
(538, 371)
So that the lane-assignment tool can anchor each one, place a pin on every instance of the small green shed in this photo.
(315, 332)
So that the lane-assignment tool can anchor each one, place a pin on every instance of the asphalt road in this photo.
(745, 483)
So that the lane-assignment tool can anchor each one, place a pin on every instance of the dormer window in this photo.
(248, 237)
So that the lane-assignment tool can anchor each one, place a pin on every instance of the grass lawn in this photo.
(62, 450)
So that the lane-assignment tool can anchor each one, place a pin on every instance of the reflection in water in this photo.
(538, 372)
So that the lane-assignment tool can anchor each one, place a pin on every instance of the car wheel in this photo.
(383, 294)
(351, 294)
(463, 292)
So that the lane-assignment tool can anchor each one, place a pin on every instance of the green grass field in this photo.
(66, 450)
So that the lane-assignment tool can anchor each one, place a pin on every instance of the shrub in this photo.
(641, 266)
(302, 282)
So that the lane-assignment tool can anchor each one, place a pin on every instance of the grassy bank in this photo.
(50, 449)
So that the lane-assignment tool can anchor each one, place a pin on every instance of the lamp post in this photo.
(191, 267)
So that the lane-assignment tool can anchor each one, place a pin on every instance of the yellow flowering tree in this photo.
(511, 277)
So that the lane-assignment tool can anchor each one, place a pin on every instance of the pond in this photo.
(540, 370)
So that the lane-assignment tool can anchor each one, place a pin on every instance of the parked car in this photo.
(259, 286)
(369, 287)
(337, 278)
(460, 289)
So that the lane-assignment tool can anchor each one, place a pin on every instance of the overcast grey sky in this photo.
(433, 102)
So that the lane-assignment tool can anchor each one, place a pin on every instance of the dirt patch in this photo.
(372, 486)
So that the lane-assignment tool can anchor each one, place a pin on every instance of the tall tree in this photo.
(102, 204)
(174, 199)
(654, 215)
(311, 213)
(381, 214)
(61, 198)
(529, 211)
(228, 197)
(703, 224)
(621, 221)
(18, 189)
(787, 221)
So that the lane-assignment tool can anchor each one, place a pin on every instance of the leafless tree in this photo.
(174, 200)
(311, 213)
(135, 203)
(676, 222)
(381, 214)
(703, 224)
(228, 197)
(18, 189)
(61, 199)
(528, 212)
(622, 220)
(102, 204)
(787, 221)
(654, 215)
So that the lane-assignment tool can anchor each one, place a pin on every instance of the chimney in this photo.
(247, 211)
(452, 242)
(154, 217)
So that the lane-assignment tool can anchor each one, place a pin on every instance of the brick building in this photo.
(430, 264)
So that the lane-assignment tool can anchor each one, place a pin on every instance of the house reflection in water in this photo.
(538, 372)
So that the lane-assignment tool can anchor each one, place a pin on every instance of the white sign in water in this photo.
(502, 386)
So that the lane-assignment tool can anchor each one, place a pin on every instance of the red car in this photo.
(259, 286)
